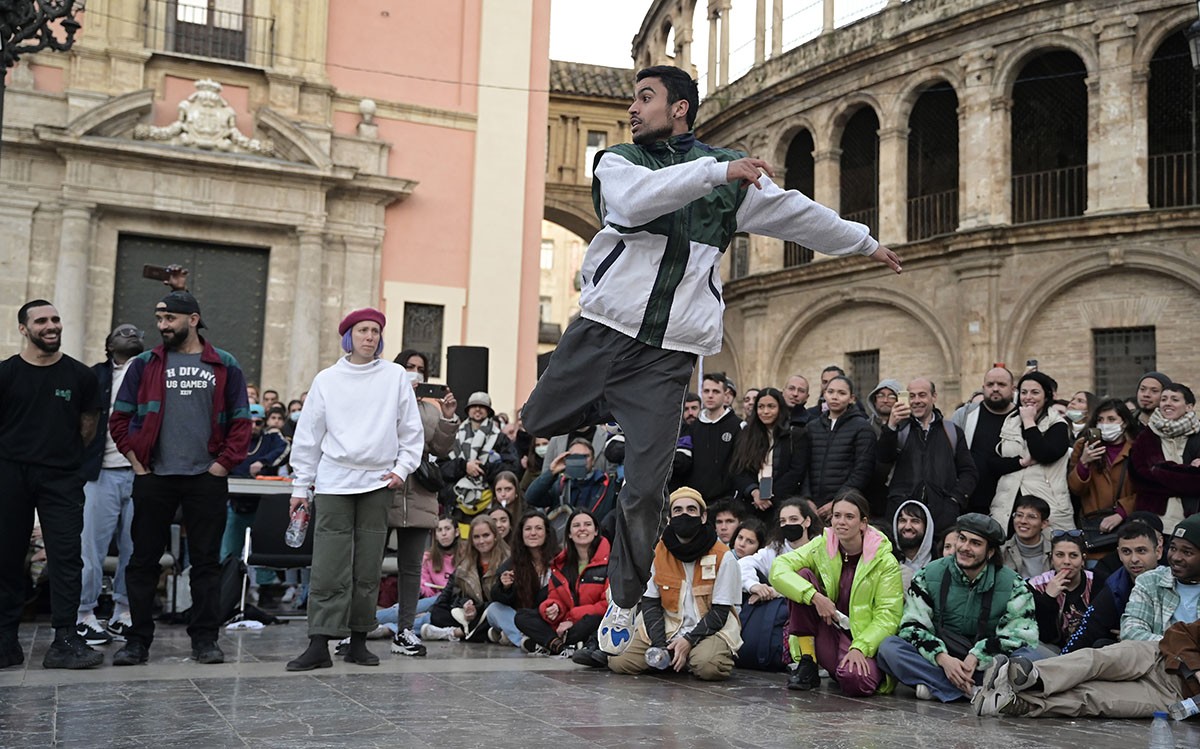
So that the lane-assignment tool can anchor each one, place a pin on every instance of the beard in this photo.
(127, 350)
(647, 137)
(174, 339)
(997, 405)
(908, 543)
(46, 347)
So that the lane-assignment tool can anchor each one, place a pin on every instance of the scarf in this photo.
(472, 443)
(690, 551)
(1186, 426)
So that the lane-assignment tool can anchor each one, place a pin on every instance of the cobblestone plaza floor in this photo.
(476, 695)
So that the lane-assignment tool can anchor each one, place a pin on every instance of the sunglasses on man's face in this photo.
(128, 333)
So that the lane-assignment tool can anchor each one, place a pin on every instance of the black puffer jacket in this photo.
(841, 456)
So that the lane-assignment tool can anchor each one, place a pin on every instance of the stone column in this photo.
(1116, 173)
(776, 28)
(974, 140)
(756, 353)
(714, 13)
(683, 49)
(826, 175)
(70, 282)
(827, 17)
(999, 182)
(893, 185)
(304, 359)
(16, 226)
(978, 335)
(760, 32)
(724, 11)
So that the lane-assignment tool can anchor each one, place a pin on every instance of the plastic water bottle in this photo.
(842, 621)
(1161, 736)
(1184, 709)
(658, 658)
(297, 529)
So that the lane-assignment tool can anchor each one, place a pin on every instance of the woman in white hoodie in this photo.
(359, 437)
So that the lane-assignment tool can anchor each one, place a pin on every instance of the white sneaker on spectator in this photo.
(379, 633)
(924, 692)
(494, 635)
(92, 631)
(430, 632)
(616, 629)
(289, 595)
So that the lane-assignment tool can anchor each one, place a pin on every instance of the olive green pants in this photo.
(348, 543)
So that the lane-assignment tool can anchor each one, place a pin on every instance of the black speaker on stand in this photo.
(466, 373)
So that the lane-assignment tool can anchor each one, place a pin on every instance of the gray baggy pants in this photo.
(1124, 680)
(596, 375)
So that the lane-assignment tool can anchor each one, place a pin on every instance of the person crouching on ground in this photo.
(688, 616)
(359, 438)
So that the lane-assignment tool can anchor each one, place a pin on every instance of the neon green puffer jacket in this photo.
(876, 595)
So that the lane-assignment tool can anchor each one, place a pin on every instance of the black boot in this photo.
(805, 676)
(316, 656)
(358, 652)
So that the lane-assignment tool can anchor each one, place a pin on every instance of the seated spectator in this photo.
(276, 419)
(1126, 680)
(1165, 459)
(1098, 471)
(912, 527)
(293, 416)
(437, 567)
(506, 492)
(533, 460)
(930, 458)
(503, 518)
(459, 612)
(267, 453)
(841, 447)
(948, 543)
(575, 598)
(1063, 594)
(960, 612)
(1037, 443)
(726, 519)
(1166, 595)
(1139, 547)
(270, 399)
(688, 618)
(523, 579)
(599, 437)
(749, 537)
(581, 485)
(1027, 552)
(1111, 562)
(847, 590)
(1080, 409)
(761, 462)
(796, 525)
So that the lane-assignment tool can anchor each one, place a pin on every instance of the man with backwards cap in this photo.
(108, 493)
(960, 613)
(182, 420)
(359, 438)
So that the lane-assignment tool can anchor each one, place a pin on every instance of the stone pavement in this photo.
(476, 695)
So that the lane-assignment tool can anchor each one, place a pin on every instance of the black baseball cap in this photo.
(181, 303)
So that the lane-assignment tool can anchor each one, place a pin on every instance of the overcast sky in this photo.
(602, 33)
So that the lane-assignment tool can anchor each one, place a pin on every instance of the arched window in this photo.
(1049, 138)
(933, 163)
(1171, 127)
(801, 175)
(860, 169)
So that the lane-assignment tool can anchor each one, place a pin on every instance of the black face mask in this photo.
(685, 526)
(793, 532)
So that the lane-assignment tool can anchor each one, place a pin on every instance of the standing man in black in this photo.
(713, 434)
(981, 425)
(182, 419)
(48, 411)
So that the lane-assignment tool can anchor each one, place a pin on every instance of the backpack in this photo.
(951, 434)
(764, 638)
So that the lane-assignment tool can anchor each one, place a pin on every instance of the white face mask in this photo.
(1111, 432)
(540, 450)
(1075, 416)
(414, 378)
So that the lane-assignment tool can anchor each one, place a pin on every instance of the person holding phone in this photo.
(572, 480)
(762, 456)
(1099, 468)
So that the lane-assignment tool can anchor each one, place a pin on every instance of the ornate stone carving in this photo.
(206, 121)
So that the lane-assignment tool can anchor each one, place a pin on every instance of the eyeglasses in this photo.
(886, 397)
(1073, 533)
(130, 332)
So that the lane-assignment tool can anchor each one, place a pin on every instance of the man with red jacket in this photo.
(182, 419)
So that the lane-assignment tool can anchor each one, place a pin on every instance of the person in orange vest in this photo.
(688, 616)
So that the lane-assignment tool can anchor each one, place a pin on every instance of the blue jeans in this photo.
(900, 659)
(390, 616)
(504, 618)
(107, 509)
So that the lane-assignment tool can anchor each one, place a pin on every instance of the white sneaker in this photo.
(92, 631)
(382, 632)
(289, 595)
(407, 643)
(430, 632)
(924, 692)
(616, 629)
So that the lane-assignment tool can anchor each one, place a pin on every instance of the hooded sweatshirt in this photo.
(909, 567)
(877, 421)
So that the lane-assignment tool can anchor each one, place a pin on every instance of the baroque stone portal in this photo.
(206, 121)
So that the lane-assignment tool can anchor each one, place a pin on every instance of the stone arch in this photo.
(291, 142)
(571, 218)
(781, 139)
(1146, 258)
(115, 117)
(1154, 33)
(847, 107)
(834, 302)
(1009, 65)
(727, 361)
(916, 85)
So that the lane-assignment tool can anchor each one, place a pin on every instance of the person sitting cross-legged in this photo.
(688, 617)
(847, 586)
(960, 612)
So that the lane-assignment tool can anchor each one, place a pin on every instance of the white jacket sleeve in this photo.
(751, 566)
(306, 441)
(632, 195)
(794, 217)
(410, 432)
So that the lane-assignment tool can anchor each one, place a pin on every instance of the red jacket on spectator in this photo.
(588, 595)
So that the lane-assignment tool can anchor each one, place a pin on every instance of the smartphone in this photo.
(766, 487)
(1091, 436)
(902, 397)
(431, 390)
(1031, 363)
(155, 272)
(576, 466)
